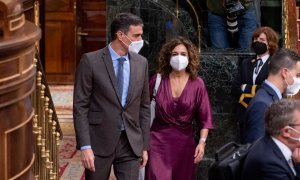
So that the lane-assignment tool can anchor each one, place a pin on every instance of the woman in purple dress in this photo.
(181, 97)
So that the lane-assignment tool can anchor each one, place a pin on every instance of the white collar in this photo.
(264, 58)
(287, 153)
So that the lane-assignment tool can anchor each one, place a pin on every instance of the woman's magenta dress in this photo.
(172, 145)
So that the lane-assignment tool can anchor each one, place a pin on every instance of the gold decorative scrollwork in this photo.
(197, 21)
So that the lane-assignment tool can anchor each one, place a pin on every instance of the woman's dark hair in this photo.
(193, 67)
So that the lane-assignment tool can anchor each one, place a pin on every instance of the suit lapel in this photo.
(279, 154)
(263, 72)
(110, 70)
(132, 79)
(252, 66)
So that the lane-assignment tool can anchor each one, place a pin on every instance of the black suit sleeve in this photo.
(244, 76)
(297, 168)
(255, 127)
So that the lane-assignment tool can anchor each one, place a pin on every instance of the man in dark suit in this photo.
(284, 70)
(252, 72)
(276, 156)
(112, 104)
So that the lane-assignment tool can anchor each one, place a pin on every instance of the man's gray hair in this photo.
(280, 114)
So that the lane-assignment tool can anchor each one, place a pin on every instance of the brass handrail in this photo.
(46, 129)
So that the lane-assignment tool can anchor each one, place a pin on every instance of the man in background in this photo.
(284, 77)
(231, 23)
(277, 154)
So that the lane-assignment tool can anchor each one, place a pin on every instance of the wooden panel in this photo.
(66, 40)
(59, 5)
(28, 7)
(91, 26)
(59, 55)
(292, 25)
(23, 135)
(60, 41)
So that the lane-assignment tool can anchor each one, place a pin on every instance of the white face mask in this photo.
(293, 88)
(134, 46)
(296, 139)
(179, 62)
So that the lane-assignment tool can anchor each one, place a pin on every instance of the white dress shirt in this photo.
(264, 59)
(287, 153)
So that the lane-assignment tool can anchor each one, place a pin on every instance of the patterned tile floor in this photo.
(70, 166)
(69, 160)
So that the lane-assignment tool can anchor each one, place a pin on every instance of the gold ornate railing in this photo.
(46, 129)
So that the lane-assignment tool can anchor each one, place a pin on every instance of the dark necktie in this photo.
(292, 165)
(259, 63)
(120, 77)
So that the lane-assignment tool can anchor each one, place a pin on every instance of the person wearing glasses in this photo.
(277, 154)
(284, 77)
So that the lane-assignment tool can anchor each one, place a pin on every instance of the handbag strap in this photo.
(157, 83)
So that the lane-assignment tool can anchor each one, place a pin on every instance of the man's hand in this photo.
(296, 155)
(144, 159)
(87, 159)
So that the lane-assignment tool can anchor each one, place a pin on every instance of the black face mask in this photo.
(259, 47)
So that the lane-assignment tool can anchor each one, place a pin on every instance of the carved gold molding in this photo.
(198, 25)
(285, 22)
(197, 21)
(17, 23)
(37, 20)
(20, 70)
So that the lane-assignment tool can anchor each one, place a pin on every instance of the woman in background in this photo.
(181, 97)
(252, 72)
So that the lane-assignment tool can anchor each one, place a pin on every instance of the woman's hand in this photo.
(199, 152)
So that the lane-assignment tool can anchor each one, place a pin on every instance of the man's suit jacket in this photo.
(265, 161)
(254, 122)
(97, 107)
(245, 76)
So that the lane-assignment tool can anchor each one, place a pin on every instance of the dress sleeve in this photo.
(203, 107)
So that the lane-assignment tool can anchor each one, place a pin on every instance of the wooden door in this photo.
(91, 26)
(60, 41)
(71, 29)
